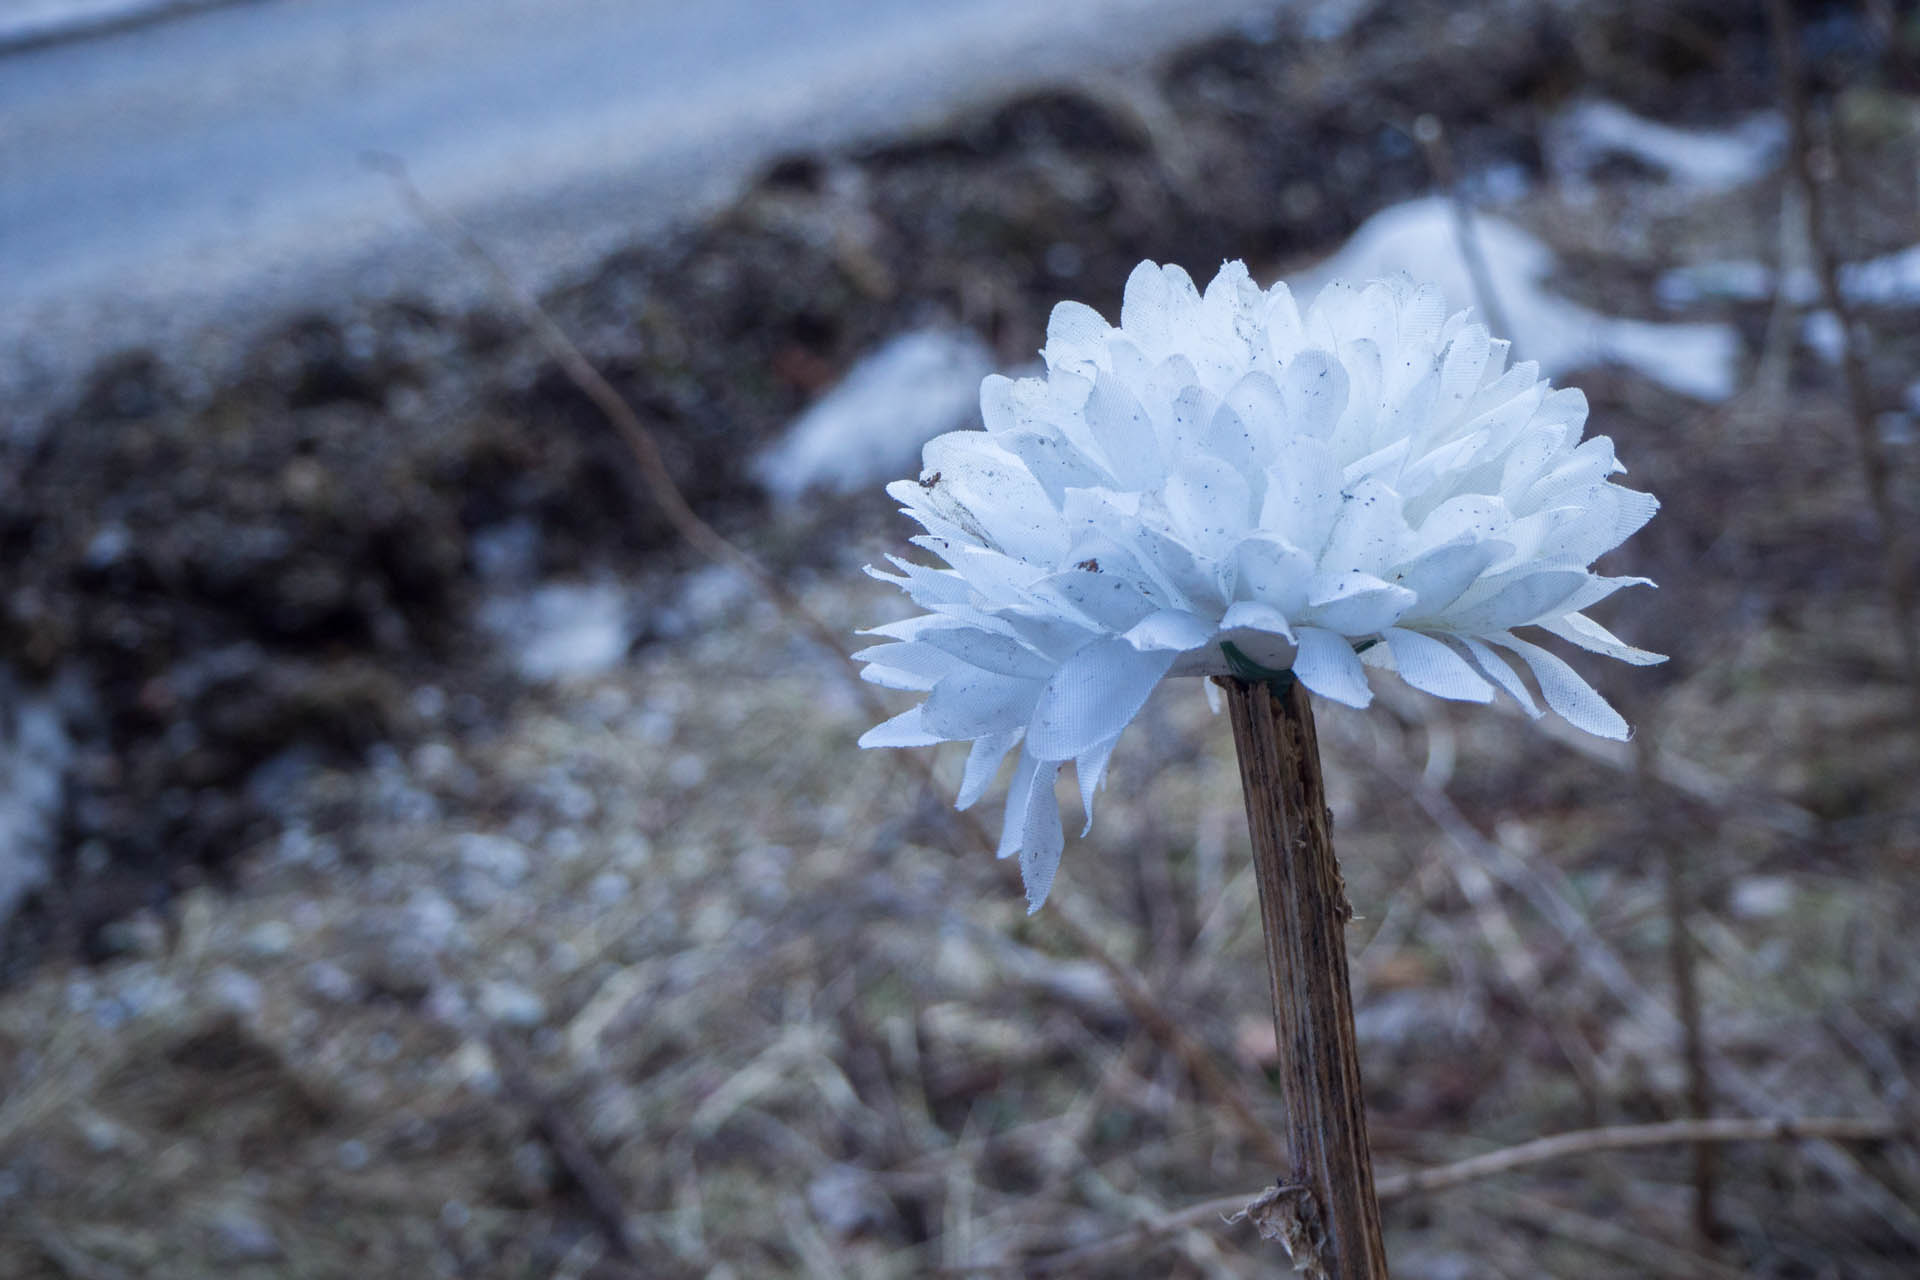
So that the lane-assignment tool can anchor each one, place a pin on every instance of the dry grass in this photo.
(801, 1027)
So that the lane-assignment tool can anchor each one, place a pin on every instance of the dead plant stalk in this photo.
(1324, 1203)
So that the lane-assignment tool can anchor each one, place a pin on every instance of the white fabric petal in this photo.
(1173, 629)
(1091, 770)
(1123, 432)
(1208, 499)
(1355, 603)
(1095, 694)
(1076, 338)
(987, 650)
(1496, 669)
(1590, 635)
(1522, 600)
(1275, 573)
(983, 762)
(970, 702)
(1314, 388)
(1013, 825)
(1429, 665)
(1041, 838)
(896, 678)
(904, 730)
(1327, 665)
(1303, 493)
(1438, 577)
(1251, 615)
(1369, 532)
(1597, 589)
(1566, 692)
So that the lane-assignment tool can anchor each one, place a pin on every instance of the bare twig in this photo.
(1650, 1256)
(1562, 1146)
(66, 1258)
(640, 441)
(1730, 799)
(568, 1144)
(1547, 891)
(1686, 1000)
(1628, 1137)
(1432, 137)
(1873, 455)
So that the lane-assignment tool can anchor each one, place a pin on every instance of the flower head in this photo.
(1223, 475)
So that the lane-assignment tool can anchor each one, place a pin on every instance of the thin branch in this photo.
(568, 1144)
(1546, 889)
(640, 441)
(1432, 137)
(1628, 1137)
(66, 1258)
(1650, 1256)
(1873, 454)
(1506, 1160)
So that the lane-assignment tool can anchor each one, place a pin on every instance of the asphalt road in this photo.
(172, 184)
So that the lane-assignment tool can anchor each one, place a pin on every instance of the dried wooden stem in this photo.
(1304, 911)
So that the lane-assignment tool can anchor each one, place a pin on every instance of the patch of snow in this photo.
(562, 630)
(870, 426)
(1419, 237)
(1700, 160)
(706, 598)
(1736, 280)
(1820, 332)
(35, 751)
(1891, 280)
(1761, 897)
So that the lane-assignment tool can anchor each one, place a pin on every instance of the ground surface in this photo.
(354, 926)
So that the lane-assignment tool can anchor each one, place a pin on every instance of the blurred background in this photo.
(417, 859)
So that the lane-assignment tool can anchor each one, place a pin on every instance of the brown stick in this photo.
(1304, 911)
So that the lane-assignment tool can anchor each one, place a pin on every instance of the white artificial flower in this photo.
(1221, 470)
